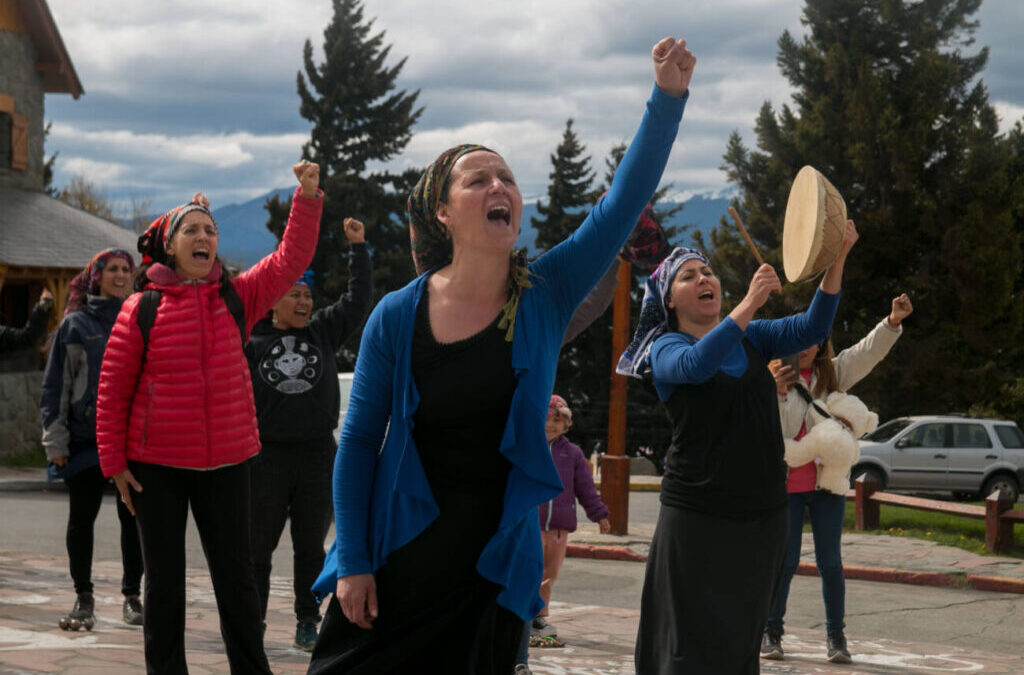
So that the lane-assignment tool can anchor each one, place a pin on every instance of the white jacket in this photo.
(851, 365)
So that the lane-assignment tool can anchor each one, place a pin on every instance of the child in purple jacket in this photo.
(558, 516)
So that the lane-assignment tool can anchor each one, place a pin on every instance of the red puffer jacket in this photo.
(192, 404)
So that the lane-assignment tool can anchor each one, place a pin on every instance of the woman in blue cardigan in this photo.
(443, 461)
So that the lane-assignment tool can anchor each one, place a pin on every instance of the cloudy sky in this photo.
(194, 94)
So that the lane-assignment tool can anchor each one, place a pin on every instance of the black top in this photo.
(465, 391)
(294, 373)
(726, 456)
(13, 339)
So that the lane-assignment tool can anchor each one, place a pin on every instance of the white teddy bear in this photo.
(833, 442)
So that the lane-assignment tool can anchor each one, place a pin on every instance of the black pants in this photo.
(85, 490)
(292, 481)
(220, 500)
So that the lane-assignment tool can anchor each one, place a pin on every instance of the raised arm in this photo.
(12, 339)
(575, 265)
(263, 284)
(345, 315)
(855, 362)
(675, 359)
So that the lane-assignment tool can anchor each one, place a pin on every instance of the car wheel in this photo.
(1004, 483)
(872, 474)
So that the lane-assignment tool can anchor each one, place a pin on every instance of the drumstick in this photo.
(743, 231)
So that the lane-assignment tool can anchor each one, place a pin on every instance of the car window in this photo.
(1010, 436)
(887, 431)
(970, 436)
(927, 436)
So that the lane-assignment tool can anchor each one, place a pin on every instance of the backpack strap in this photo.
(151, 300)
(230, 297)
(146, 316)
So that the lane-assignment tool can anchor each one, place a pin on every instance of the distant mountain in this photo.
(244, 237)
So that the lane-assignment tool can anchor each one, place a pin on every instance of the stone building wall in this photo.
(20, 426)
(19, 80)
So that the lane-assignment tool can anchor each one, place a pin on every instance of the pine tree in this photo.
(889, 106)
(569, 193)
(358, 117)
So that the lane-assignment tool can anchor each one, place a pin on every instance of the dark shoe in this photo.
(771, 645)
(837, 651)
(521, 669)
(132, 610)
(305, 636)
(541, 628)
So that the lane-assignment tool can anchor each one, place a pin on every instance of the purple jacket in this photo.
(560, 512)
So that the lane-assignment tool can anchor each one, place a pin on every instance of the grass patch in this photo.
(32, 458)
(947, 530)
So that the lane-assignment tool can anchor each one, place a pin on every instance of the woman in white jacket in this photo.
(820, 374)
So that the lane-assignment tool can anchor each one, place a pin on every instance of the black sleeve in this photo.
(594, 304)
(13, 339)
(344, 316)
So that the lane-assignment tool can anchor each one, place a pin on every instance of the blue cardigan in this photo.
(382, 499)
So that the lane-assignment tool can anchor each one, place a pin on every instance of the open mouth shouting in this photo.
(706, 295)
(499, 215)
(201, 254)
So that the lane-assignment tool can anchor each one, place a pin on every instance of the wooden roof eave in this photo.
(53, 60)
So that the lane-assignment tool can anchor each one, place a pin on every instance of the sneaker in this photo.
(541, 628)
(305, 636)
(522, 669)
(837, 651)
(771, 645)
(132, 610)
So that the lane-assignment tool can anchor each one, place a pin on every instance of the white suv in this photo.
(963, 455)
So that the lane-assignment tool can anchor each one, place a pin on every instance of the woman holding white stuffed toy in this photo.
(822, 374)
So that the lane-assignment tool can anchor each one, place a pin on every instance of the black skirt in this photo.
(707, 592)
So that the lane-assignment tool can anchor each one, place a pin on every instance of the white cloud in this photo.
(99, 173)
(1009, 114)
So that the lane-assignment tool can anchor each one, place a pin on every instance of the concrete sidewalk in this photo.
(865, 556)
(599, 640)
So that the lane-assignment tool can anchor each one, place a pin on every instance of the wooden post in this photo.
(866, 509)
(998, 531)
(615, 464)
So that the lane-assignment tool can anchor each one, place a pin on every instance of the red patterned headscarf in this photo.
(87, 282)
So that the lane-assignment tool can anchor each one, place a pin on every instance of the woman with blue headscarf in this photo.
(718, 546)
(295, 385)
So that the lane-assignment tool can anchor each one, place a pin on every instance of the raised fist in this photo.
(673, 66)
(308, 175)
(355, 232)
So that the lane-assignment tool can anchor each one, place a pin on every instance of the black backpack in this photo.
(151, 300)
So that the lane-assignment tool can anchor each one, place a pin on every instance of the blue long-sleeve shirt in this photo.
(679, 358)
(382, 499)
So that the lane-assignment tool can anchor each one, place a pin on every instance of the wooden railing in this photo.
(998, 512)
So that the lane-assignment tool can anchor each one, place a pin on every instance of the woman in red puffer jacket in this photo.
(176, 422)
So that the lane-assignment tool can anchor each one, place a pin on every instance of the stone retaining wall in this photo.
(20, 426)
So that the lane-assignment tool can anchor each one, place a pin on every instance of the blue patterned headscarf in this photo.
(306, 278)
(636, 360)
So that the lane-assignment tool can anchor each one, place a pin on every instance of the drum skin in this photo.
(812, 235)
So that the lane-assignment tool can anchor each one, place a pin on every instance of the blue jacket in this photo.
(382, 499)
(68, 401)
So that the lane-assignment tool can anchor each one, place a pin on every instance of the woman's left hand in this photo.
(673, 66)
(125, 483)
(355, 232)
(308, 175)
(604, 526)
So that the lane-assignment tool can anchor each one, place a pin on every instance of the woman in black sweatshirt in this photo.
(295, 382)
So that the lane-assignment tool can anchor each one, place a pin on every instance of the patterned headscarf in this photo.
(152, 242)
(647, 245)
(558, 406)
(636, 360)
(87, 282)
(306, 278)
(432, 242)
